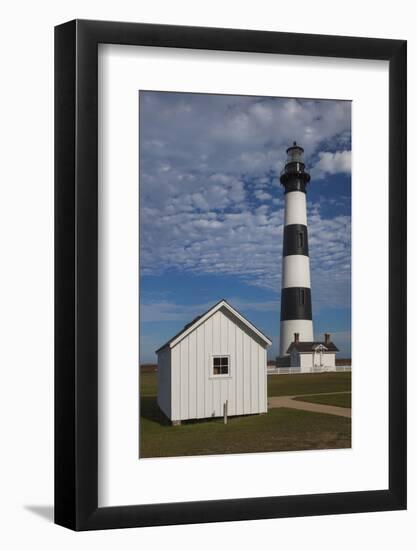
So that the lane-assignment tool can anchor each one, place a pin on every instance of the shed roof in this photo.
(197, 321)
(311, 346)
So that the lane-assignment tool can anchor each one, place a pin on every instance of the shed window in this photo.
(221, 365)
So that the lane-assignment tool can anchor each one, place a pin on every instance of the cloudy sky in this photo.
(212, 210)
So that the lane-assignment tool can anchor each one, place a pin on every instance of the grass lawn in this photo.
(338, 400)
(279, 430)
(297, 384)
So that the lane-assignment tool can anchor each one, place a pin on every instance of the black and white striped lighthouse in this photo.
(296, 315)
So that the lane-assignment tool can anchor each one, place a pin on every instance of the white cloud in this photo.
(232, 135)
(158, 310)
(332, 163)
(165, 310)
(247, 244)
(262, 195)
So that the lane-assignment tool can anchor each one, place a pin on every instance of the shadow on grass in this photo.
(150, 411)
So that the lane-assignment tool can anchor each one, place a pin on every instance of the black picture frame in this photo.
(76, 272)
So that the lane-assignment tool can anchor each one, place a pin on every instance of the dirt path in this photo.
(289, 402)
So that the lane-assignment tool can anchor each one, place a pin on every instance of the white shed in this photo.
(220, 356)
(313, 356)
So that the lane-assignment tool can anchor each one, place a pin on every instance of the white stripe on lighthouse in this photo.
(295, 208)
(304, 328)
(296, 270)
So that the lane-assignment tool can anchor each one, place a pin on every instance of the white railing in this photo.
(294, 370)
(283, 370)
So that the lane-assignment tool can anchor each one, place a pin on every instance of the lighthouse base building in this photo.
(312, 356)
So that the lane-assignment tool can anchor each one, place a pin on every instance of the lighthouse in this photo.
(296, 314)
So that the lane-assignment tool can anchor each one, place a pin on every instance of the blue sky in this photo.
(212, 209)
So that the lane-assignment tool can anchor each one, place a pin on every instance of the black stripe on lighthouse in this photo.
(295, 240)
(296, 303)
(294, 183)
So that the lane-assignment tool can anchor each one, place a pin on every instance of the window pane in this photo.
(221, 365)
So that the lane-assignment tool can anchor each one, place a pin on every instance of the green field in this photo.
(338, 400)
(279, 430)
(299, 384)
